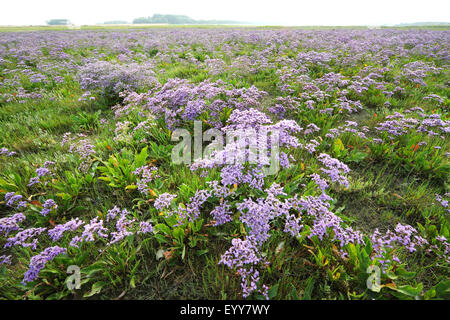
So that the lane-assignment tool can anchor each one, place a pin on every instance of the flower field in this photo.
(97, 203)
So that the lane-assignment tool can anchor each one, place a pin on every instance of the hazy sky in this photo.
(284, 12)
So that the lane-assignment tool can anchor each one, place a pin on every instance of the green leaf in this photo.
(88, 178)
(202, 252)
(64, 196)
(273, 291)
(140, 158)
(443, 289)
(357, 156)
(338, 147)
(293, 294)
(409, 290)
(96, 289)
(164, 228)
(401, 272)
(184, 252)
(308, 289)
(161, 238)
(178, 234)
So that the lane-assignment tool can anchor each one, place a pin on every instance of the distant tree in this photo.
(142, 20)
(58, 22)
(116, 22)
(176, 19)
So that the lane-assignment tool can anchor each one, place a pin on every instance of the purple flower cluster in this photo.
(178, 100)
(324, 220)
(9, 224)
(4, 259)
(112, 78)
(42, 172)
(348, 127)
(443, 202)
(82, 147)
(38, 262)
(243, 256)
(14, 200)
(93, 228)
(222, 213)
(334, 169)
(404, 236)
(251, 137)
(122, 226)
(147, 174)
(58, 231)
(145, 227)
(21, 238)
(164, 201)
(431, 124)
(48, 206)
(6, 152)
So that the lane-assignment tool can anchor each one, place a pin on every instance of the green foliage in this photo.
(118, 170)
(392, 181)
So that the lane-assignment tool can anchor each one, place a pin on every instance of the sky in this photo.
(275, 12)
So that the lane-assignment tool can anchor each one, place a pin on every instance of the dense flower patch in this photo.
(98, 188)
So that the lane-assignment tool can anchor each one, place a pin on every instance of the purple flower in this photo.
(41, 172)
(57, 232)
(112, 213)
(33, 181)
(164, 201)
(319, 181)
(222, 213)
(241, 253)
(11, 198)
(4, 259)
(145, 227)
(334, 169)
(6, 152)
(122, 226)
(147, 174)
(38, 262)
(48, 206)
(9, 224)
(21, 238)
(94, 227)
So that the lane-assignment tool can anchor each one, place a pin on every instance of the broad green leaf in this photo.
(96, 289)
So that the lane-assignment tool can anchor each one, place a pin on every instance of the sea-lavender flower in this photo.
(57, 232)
(221, 214)
(48, 206)
(9, 224)
(6, 152)
(240, 254)
(147, 174)
(145, 227)
(11, 199)
(38, 262)
(95, 226)
(121, 226)
(441, 200)
(112, 213)
(319, 181)
(4, 259)
(21, 238)
(164, 201)
(334, 169)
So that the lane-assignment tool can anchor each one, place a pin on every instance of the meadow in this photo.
(357, 210)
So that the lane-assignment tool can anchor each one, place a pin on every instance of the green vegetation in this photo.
(392, 181)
